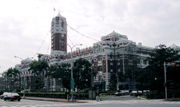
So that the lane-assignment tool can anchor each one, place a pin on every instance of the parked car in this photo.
(11, 96)
(136, 93)
(2, 96)
(122, 92)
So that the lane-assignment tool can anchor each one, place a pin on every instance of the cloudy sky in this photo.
(25, 24)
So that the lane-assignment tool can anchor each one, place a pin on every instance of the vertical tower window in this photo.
(62, 24)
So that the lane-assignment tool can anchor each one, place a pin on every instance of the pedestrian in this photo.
(98, 97)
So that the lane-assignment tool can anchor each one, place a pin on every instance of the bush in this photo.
(45, 94)
(1, 92)
(81, 95)
(155, 94)
(62, 95)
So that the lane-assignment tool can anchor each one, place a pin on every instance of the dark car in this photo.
(11, 96)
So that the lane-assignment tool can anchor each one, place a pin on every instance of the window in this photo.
(111, 70)
(62, 24)
(111, 63)
(57, 18)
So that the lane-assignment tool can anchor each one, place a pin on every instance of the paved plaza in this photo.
(117, 103)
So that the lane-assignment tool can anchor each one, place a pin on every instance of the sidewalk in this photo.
(58, 100)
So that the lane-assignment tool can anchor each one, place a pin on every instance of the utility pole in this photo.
(165, 81)
(92, 79)
(72, 78)
(115, 66)
(123, 63)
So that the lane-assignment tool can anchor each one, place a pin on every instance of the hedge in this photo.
(55, 95)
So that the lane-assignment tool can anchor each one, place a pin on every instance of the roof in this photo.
(114, 36)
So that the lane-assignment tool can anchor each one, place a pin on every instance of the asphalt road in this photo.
(117, 103)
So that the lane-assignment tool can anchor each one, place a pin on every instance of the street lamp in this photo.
(24, 80)
(115, 67)
(72, 78)
(165, 79)
(18, 57)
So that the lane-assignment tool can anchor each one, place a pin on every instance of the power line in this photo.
(48, 49)
(70, 40)
(81, 33)
(42, 43)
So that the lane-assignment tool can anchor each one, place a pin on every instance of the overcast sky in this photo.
(25, 24)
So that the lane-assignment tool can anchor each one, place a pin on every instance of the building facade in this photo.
(25, 74)
(58, 36)
(113, 54)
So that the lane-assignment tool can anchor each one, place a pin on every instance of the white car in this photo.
(2, 96)
(10, 96)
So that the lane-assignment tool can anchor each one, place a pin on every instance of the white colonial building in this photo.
(115, 53)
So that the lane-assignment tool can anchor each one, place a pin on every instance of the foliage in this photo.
(12, 73)
(12, 76)
(113, 81)
(62, 71)
(39, 69)
(55, 95)
(143, 79)
(161, 54)
(82, 73)
(173, 81)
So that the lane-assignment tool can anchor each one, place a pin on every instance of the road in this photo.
(119, 103)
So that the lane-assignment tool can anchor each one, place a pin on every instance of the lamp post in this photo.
(115, 66)
(20, 76)
(24, 81)
(72, 78)
(165, 81)
(18, 57)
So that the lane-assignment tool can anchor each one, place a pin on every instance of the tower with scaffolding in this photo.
(58, 36)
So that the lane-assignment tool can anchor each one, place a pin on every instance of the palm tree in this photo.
(39, 69)
(12, 75)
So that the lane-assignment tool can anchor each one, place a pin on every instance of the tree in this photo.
(62, 71)
(12, 75)
(144, 78)
(161, 54)
(39, 69)
(173, 81)
(82, 74)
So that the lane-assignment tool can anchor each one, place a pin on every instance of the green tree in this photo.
(113, 81)
(173, 81)
(13, 80)
(62, 71)
(82, 74)
(144, 78)
(161, 54)
(39, 69)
